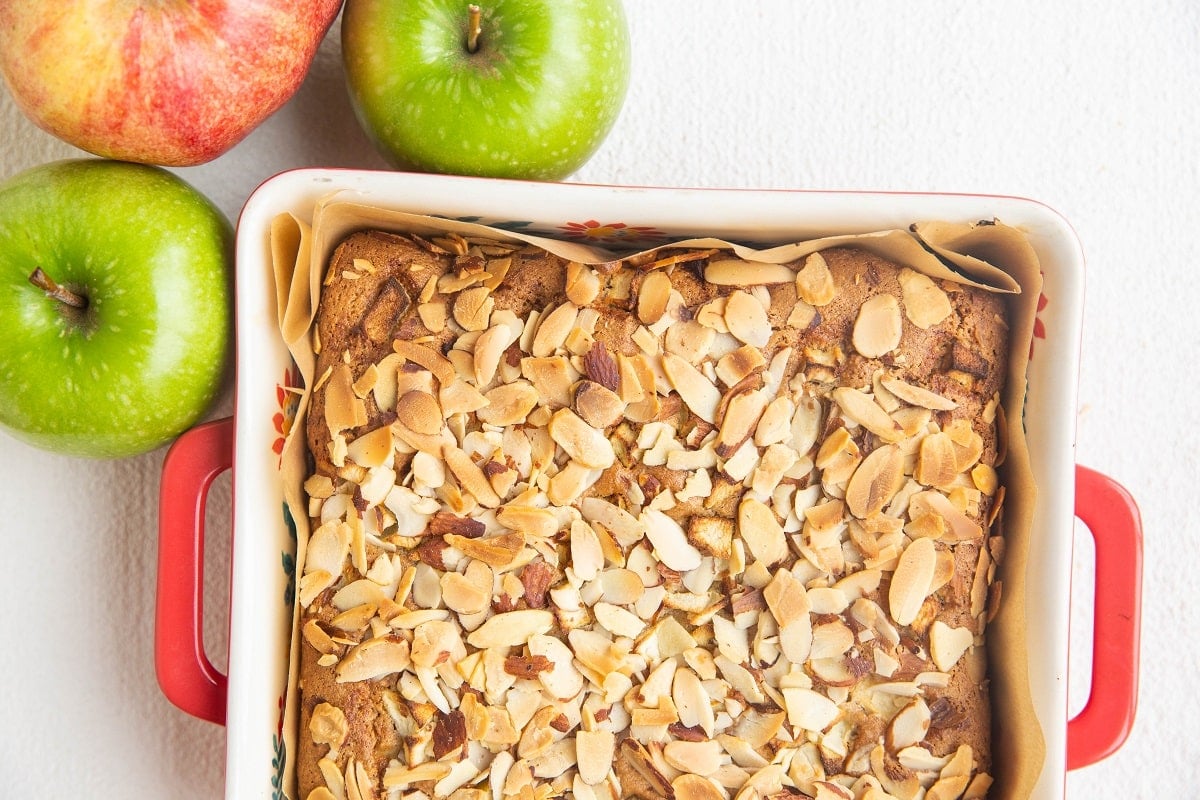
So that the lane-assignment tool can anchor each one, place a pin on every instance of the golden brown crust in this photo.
(898, 373)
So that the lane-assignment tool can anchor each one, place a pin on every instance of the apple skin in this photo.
(148, 355)
(534, 101)
(157, 81)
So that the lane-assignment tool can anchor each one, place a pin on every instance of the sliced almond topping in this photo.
(583, 284)
(698, 392)
(917, 395)
(374, 658)
(925, 304)
(689, 786)
(809, 710)
(495, 551)
(670, 543)
(594, 752)
(761, 531)
(433, 361)
(936, 465)
(327, 725)
(738, 272)
(473, 308)
(737, 365)
(878, 327)
(508, 404)
(946, 644)
(698, 758)
(581, 442)
(862, 408)
(598, 406)
(511, 628)
(909, 726)
(875, 481)
(553, 329)
(747, 319)
(489, 349)
(911, 580)
(344, 410)
(653, 296)
(742, 413)
(814, 281)
(470, 476)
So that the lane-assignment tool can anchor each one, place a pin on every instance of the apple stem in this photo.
(56, 291)
(473, 27)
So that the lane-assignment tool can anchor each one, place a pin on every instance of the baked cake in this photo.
(680, 525)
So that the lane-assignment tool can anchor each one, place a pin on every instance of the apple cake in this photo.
(678, 525)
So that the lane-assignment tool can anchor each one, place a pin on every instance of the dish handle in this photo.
(185, 674)
(1112, 517)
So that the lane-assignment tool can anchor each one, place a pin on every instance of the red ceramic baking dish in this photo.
(251, 698)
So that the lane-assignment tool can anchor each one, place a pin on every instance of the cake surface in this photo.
(681, 526)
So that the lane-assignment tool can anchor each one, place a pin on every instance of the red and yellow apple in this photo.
(157, 81)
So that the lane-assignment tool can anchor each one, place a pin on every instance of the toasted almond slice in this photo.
(627, 528)
(747, 319)
(562, 681)
(689, 786)
(862, 408)
(431, 360)
(878, 326)
(344, 410)
(553, 330)
(583, 284)
(809, 710)
(581, 442)
(511, 628)
(618, 621)
(327, 725)
(875, 481)
(918, 395)
(736, 365)
(473, 308)
(470, 476)
(814, 281)
(653, 295)
(946, 644)
(761, 531)
(489, 349)
(698, 392)
(925, 304)
(786, 598)
(689, 340)
(911, 580)
(587, 556)
(508, 404)
(495, 551)
(670, 543)
(742, 413)
(738, 272)
(909, 726)
(936, 464)
(374, 658)
(598, 406)
(698, 758)
(594, 754)
(961, 526)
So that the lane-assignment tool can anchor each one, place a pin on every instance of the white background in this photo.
(1091, 108)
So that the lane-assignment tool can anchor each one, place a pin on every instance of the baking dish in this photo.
(250, 700)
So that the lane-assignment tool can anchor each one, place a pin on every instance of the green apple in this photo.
(507, 88)
(114, 306)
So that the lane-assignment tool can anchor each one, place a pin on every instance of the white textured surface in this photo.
(1090, 108)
